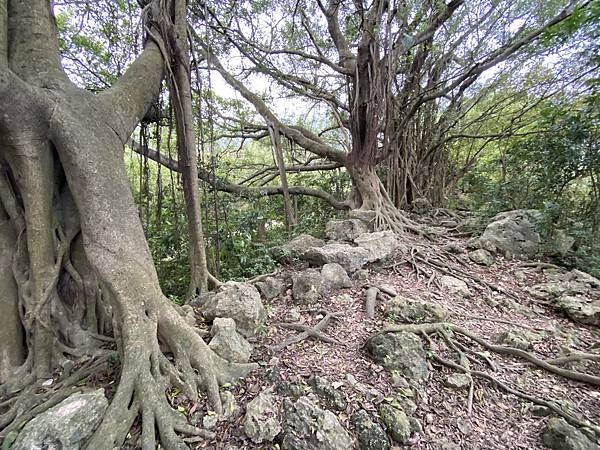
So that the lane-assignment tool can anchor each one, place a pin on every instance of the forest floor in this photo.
(497, 420)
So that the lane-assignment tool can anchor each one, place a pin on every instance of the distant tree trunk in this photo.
(290, 220)
(180, 88)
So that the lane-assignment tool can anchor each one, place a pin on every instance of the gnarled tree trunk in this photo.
(80, 260)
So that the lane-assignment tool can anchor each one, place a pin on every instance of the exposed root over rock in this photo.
(306, 332)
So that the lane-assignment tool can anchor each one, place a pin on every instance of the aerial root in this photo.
(306, 332)
(500, 349)
(445, 330)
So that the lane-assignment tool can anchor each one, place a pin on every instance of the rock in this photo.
(481, 257)
(291, 251)
(582, 277)
(371, 436)
(454, 248)
(421, 205)
(350, 258)
(458, 381)
(362, 274)
(514, 234)
(559, 435)
(454, 285)
(345, 230)
(397, 423)
(238, 301)
(404, 309)
(520, 276)
(261, 423)
(555, 289)
(65, 426)
(227, 342)
(580, 309)
(307, 287)
(230, 406)
(400, 351)
(210, 421)
(540, 411)
(561, 242)
(367, 216)
(335, 276)
(324, 389)
(293, 315)
(380, 245)
(308, 427)
(513, 338)
(271, 287)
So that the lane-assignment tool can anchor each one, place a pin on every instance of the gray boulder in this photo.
(458, 381)
(271, 287)
(227, 342)
(261, 423)
(238, 301)
(291, 251)
(561, 242)
(481, 257)
(404, 309)
(307, 287)
(380, 245)
(292, 315)
(580, 309)
(332, 396)
(421, 205)
(454, 285)
(345, 230)
(367, 216)
(514, 234)
(514, 338)
(308, 427)
(350, 258)
(335, 276)
(559, 435)
(399, 425)
(65, 426)
(403, 352)
(371, 435)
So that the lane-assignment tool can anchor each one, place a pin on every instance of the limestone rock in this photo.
(559, 435)
(230, 406)
(307, 287)
(308, 427)
(561, 242)
(291, 251)
(458, 381)
(404, 309)
(238, 301)
(371, 435)
(293, 315)
(380, 245)
(513, 338)
(334, 397)
(350, 258)
(400, 351)
(271, 287)
(65, 426)
(227, 342)
(261, 423)
(481, 257)
(580, 309)
(454, 285)
(514, 234)
(367, 216)
(421, 205)
(335, 276)
(397, 422)
(345, 230)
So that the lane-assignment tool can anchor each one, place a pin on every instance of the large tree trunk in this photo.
(79, 255)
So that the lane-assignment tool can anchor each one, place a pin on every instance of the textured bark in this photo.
(80, 261)
(290, 221)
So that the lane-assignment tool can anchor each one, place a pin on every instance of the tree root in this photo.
(444, 326)
(146, 375)
(306, 332)
(539, 401)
